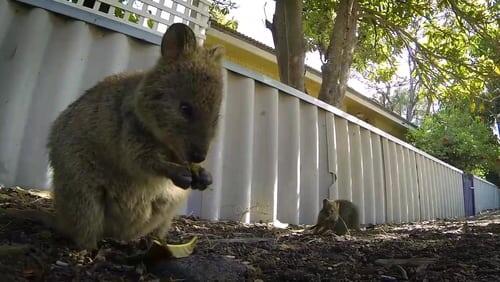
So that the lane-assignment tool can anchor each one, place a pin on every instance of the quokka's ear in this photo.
(217, 53)
(179, 40)
(326, 203)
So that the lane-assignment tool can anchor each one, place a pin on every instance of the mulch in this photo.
(439, 250)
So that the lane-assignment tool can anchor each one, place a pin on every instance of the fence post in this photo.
(467, 180)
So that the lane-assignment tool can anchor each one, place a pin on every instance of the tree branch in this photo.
(422, 49)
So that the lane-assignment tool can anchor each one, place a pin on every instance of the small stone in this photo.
(388, 278)
(61, 263)
(5, 197)
(246, 262)
(101, 254)
(230, 257)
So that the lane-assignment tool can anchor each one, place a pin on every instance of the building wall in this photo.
(276, 151)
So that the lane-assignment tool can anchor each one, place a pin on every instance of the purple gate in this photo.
(468, 181)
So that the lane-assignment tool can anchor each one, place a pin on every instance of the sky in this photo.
(251, 22)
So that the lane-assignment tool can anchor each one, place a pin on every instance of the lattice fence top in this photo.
(151, 15)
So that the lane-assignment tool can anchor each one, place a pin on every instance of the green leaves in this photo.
(219, 11)
(457, 136)
(452, 44)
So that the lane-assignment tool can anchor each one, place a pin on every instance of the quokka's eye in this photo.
(186, 110)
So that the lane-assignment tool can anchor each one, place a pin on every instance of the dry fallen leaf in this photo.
(29, 272)
(13, 250)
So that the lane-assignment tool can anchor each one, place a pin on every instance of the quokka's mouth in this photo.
(175, 156)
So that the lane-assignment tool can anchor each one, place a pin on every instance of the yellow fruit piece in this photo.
(182, 250)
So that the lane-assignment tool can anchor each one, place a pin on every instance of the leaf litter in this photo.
(202, 250)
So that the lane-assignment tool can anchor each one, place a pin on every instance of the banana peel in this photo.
(160, 252)
(182, 250)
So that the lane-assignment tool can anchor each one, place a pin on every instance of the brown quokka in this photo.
(339, 216)
(126, 152)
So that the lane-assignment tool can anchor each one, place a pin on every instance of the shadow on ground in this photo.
(455, 250)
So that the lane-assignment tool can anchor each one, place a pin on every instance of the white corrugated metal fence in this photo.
(486, 195)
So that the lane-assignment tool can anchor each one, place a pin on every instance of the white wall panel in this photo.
(429, 188)
(485, 195)
(22, 51)
(344, 180)
(433, 184)
(413, 191)
(309, 165)
(397, 183)
(208, 202)
(326, 157)
(357, 188)
(331, 155)
(422, 188)
(439, 190)
(450, 194)
(444, 185)
(237, 163)
(370, 215)
(265, 151)
(378, 179)
(289, 159)
(460, 196)
(461, 203)
(388, 168)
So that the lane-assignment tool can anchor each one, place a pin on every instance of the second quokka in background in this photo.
(339, 216)
(126, 152)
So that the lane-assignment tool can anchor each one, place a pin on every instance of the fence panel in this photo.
(289, 159)
(265, 150)
(378, 178)
(357, 188)
(309, 165)
(485, 195)
(370, 214)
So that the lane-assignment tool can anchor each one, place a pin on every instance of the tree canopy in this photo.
(452, 44)
(219, 12)
(458, 137)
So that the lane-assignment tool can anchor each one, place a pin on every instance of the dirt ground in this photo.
(441, 250)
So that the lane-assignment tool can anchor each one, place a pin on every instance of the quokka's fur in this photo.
(125, 153)
(339, 216)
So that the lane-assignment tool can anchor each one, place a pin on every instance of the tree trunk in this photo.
(387, 97)
(412, 91)
(289, 42)
(335, 72)
(429, 107)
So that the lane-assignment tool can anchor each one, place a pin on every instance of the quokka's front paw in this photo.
(182, 178)
(201, 177)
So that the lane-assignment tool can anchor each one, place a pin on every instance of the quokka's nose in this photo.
(196, 156)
